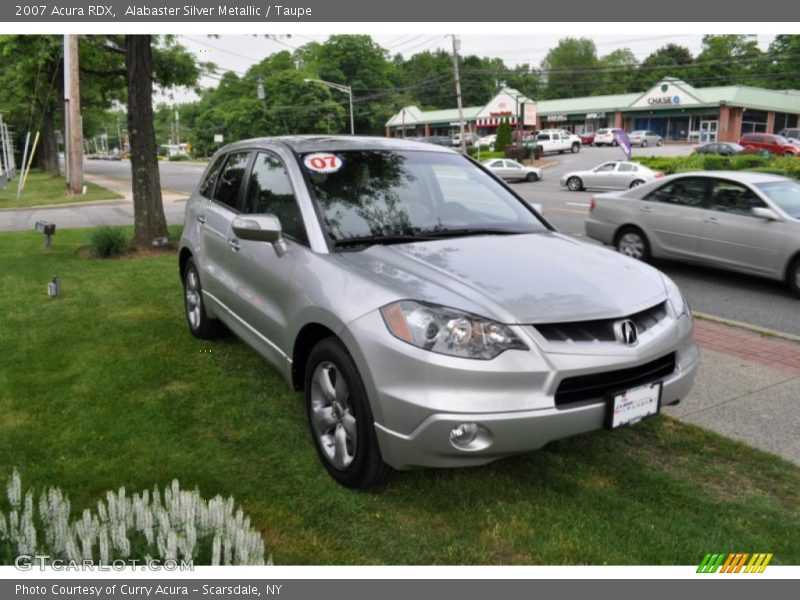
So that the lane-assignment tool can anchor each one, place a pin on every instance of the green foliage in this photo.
(714, 162)
(671, 60)
(747, 161)
(108, 242)
(504, 136)
(728, 58)
(179, 158)
(780, 165)
(569, 67)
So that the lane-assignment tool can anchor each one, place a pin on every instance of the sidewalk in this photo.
(91, 214)
(747, 389)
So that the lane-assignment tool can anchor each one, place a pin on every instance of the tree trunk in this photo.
(47, 153)
(148, 209)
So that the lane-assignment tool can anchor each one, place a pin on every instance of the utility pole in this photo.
(456, 45)
(177, 126)
(72, 99)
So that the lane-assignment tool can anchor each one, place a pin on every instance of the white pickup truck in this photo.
(556, 140)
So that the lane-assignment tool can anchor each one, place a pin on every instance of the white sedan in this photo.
(511, 170)
(613, 175)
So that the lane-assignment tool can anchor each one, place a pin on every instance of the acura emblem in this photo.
(625, 332)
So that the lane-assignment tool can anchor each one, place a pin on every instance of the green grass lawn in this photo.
(41, 189)
(105, 387)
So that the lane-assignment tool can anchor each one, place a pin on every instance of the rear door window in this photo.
(206, 188)
(231, 179)
(690, 191)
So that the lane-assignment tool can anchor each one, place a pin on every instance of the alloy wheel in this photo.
(631, 244)
(194, 305)
(332, 416)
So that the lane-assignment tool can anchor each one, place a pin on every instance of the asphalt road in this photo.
(728, 295)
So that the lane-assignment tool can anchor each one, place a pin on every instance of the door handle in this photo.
(712, 220)
(234, 244)
(201, 219)
(646, 209)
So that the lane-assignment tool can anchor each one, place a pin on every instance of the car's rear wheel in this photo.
(574, 184)
(793, 276)
(531, 177)
(636, 183)
(631, 241)
(200, 324)
(340, 418)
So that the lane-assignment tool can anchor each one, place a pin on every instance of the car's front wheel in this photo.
(574, 184)
(200, 324)
(631, 241)
(576, 148)
(531, 177)
(644, 143)
(660, 143)
(793, 276)
(340, 417)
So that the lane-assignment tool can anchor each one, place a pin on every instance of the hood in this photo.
(526, 279)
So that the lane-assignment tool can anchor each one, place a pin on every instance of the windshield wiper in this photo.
(466, 231)
(369, 240)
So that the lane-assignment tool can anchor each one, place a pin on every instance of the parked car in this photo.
(512, 170)
(605, 137)
(429, 315)
(644, 138)
(438, 140)
(722, 148)
(747, 222)
(774, 144)
(557, 141)
(790, 132)
(587, 138)
(487, 141)
(612, 175)
(469, 139)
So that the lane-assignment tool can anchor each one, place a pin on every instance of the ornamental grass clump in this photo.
(173, 525)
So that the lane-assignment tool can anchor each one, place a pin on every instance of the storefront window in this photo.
(784, 121)
(754, 121)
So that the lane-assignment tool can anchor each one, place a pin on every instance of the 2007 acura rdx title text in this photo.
(431, 317)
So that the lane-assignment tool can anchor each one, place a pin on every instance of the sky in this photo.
(238, 52)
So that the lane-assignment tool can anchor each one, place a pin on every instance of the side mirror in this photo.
(260, 228)
(763, 212)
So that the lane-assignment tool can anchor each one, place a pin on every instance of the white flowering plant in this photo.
(171, 525)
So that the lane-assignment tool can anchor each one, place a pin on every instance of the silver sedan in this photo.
(511, 170)
(746, 222)
(644, 138)
(613, 175)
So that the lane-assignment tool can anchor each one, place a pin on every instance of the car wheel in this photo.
(644, 144)
(636, 183)
(576, 148)
(340, 418)
(200, 324)
(574, 184)
(788, 154)
(614, 143)
(660, 143)
(632, 242)
(531, 177)
(793, 276)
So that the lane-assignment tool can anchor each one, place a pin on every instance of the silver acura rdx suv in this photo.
(430, 316)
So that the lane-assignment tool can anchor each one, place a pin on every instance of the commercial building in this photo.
(672, 108)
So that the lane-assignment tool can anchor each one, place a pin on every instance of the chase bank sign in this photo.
(664, 95)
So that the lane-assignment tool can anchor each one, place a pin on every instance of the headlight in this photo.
(676, 299)
(449, 331)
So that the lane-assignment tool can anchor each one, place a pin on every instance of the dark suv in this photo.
(775, 144)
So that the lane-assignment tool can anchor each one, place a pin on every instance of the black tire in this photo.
(531, 177)
(574, 184)
(644, 143)
(660, 143)
(636, 183)
(576, 148)
(614, 143)
(793, 276)
(624, 242)
(200, 324)
(366, 468)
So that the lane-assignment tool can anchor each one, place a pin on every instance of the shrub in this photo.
(179, 157)
(504, 137)
(747, 161)
(171, 525)
(108, 242)
(714, 162)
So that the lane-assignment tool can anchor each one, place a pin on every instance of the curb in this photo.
(763, 331)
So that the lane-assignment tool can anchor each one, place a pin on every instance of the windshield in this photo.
(379, 193)
(786, 194)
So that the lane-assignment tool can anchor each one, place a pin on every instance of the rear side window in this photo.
(231, 178)
(543, 137)
(207, 186)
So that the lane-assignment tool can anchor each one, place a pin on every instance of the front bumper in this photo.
(417, 396)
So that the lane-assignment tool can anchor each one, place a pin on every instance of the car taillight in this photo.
(658, 175)
(592, 204)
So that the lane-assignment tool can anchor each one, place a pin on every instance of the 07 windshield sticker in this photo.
(323, 162)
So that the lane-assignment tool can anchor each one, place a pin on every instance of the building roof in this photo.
(412, 115)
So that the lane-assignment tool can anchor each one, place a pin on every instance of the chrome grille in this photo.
(601, 330)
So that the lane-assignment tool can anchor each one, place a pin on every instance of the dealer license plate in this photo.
(631, 406)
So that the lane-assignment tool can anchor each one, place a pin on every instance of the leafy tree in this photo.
(618, 72)
(504, 136)
(784, 54)
(671, 60)
(727, 59)
(571, 68)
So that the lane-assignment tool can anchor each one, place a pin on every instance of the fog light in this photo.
(464, 434)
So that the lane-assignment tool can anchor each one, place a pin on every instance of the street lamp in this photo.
(342, 88)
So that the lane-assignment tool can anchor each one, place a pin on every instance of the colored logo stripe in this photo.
(734, 562)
